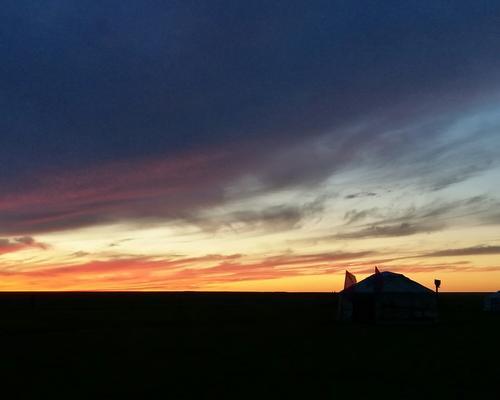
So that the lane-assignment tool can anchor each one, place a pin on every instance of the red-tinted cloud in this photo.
(139, 189)
(206, 272)
(171, 273)
(20, 243)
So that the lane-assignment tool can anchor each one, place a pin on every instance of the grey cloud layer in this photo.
(432, 217)
(467, 251)
(102, 116)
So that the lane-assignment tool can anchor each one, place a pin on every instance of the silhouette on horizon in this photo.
(386, 297)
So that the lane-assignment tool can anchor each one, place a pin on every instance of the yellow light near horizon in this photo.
(311, 283)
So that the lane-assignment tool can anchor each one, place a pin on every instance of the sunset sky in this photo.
(248, 145)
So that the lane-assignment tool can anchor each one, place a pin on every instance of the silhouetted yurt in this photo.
(387, 297)
(492, 302)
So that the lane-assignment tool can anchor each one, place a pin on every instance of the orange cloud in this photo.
(214, 271)
(183, 273)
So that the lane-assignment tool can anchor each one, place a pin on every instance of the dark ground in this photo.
(239, 345)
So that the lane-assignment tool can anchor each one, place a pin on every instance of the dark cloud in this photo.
(403, 229)
(435, 216)
(120, 191)
(492, 218)
(29, 241)
(467, 251)
(105, 105)
(453, 162)
(20, 243)
(360, 194)
(354, 216)
(462, 174)
(108, 81)
(80, 254)
(273, 218)
(119, 242)
(459, 266)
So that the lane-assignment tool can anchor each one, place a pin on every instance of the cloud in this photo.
(208, 271)
(354, 216)
(406, 268)
(78, 254)
(466, 251)
(141, 190)
(185, 186)
(403, 229)
(432, 217)
(177, 190)
(19, 244)
(360, 194)
(492, 218)
(176, 273)
(126, 136)
(285, 75)
(273, 218)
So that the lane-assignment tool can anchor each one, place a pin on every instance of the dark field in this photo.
(239, 345)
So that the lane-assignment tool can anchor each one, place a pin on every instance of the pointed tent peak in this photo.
(377, 270)
(350, 280)
(388, 282)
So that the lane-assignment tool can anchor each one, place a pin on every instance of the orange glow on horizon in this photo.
(290, 273)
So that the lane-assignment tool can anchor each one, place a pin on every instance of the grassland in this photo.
(239, 345)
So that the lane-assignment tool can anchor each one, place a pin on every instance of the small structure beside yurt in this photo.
(387, 297)
(492, 302)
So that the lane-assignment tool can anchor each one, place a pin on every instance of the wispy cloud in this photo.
(268, 219)
(188, 114)
(178, 272)
(403, 229)
(432, 217)
(466, 251)
(20, 243)
(360, 194)
(354, 216)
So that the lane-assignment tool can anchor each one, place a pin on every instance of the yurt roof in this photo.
(388, 282)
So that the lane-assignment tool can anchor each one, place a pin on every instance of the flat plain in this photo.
(240, 345)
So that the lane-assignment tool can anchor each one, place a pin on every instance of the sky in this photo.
(248, 146)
